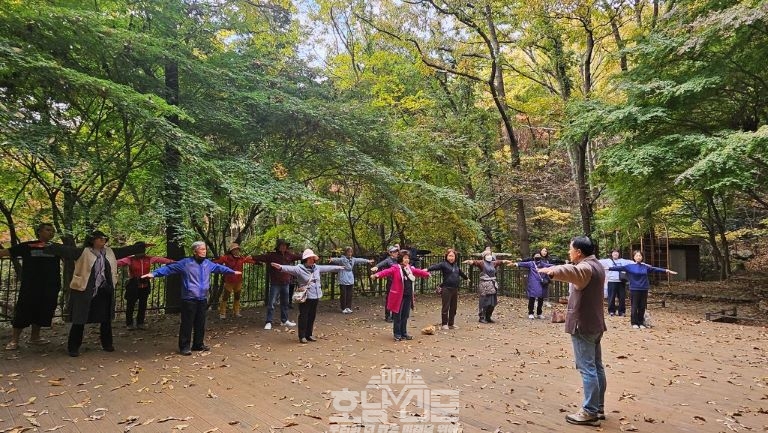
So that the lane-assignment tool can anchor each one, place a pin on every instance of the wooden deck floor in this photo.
(684, 375)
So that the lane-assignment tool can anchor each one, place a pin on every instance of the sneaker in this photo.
(268, 326)
(483, 321)
(635, 327)
(185, 352)
(238, 315)
(611, 314)
(489, 320)
(540, 316)
(444, 327)
(453, 326)
(643, 327)
(288, 323)
(347, 310)
(531, 316)
(600, 414)
(311, 338)
(408, 337)
(583, 418)
(303, 340)
(202, 348)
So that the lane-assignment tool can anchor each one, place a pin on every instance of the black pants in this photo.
(307, 313)
(639, 303)
(400, 319)
(539, 301)
(192, 319)
(450, 298)
(387, 313)
(617, 289)
(133, 293)
(345, 300)
(76, 332)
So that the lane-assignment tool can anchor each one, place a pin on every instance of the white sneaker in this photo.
(540, 316)
(288, 323)
(635, 327)
(444, 327)
(348, 310)
(642, 326)
(531, 316)
(268, 326)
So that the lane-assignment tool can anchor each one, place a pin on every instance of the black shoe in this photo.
(408, 337)
(185, 352)
(398, 338)
(202, 348)
(311, 338)
(489, 320)
(108, 348)
(74, 353)
(483, 321)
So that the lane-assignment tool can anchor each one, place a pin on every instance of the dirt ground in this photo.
(683, 375)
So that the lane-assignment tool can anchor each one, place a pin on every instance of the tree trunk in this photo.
(172, 196)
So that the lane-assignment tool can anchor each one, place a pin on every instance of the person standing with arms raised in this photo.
(40, 286)
(279, 282)
(196, 282)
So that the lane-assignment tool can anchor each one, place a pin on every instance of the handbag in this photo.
(300, 294)
(622, 274)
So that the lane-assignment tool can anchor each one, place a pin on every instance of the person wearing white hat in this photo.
(308, 279)
(233, 283)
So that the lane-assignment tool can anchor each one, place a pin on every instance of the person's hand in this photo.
(370, 262)
(466, 262)
(671, 272)
(548, 271)
(149, 275)
(374, 269)
(276, 266)
(238, 273)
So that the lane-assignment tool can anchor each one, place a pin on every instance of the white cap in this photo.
(309, 253)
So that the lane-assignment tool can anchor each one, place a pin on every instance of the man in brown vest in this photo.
(586, 324)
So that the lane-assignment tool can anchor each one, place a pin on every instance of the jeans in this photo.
(400, 319)
(192, 318)
(345, 299)
(617, 289)
(307, 313)
(639, 303)
(278, 290)
(589, 362)
(450, 298)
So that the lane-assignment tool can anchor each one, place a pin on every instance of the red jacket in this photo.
(140, 265)
(234, 263)
(395, 297)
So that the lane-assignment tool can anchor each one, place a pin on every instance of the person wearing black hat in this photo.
(92, 289)
(388, 262)
(278, 281)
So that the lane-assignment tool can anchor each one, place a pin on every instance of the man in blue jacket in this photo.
(196, 278)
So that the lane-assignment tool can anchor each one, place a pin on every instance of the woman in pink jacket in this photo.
(401, 295)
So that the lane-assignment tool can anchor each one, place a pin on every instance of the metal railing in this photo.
(512, 283)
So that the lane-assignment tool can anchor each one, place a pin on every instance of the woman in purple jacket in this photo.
(537, 284)
(639, 286)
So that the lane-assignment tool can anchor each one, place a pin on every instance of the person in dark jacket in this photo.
(92, 289)
(279, 282)
(449, 288)
(388, 262)
(196, 282)
(585, 323)
(40, 286)
(639, 286)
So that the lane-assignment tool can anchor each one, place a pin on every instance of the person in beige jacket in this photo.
(92, 289)
(585, 322)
